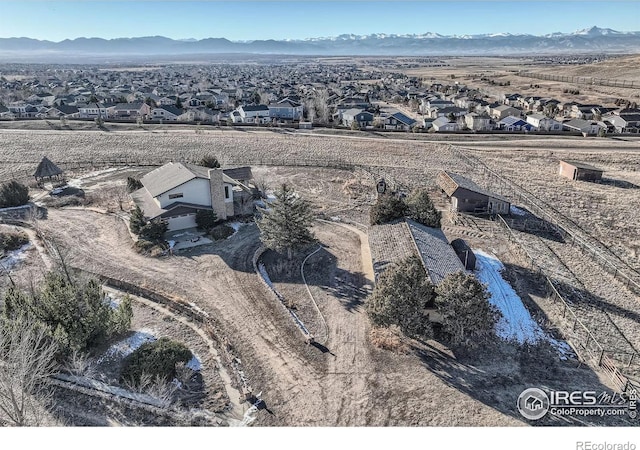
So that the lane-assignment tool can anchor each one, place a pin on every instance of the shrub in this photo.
(387, 339)
(220, 232)
(156, 359)
(421, 209)
(12, 241)
(468, 317)
(400, 298)
(154, 231)
(387, 208)
(75, 314)
(133, 184)
(145, 247)
(13, 194)
(206, 219)
(137, 220)
(210, 161)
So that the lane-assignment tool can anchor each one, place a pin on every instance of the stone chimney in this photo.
(216, 187)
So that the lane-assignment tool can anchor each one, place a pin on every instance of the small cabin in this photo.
(465, 254)
(575, 170)
(467, 197)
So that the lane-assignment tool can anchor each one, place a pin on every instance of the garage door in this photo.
(182, 222)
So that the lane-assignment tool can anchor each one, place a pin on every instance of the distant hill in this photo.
(594, 39)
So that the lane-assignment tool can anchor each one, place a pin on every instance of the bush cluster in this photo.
(13, 194)
(157, 359)
(417, 206)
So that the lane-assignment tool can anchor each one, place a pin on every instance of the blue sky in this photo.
(248, 20)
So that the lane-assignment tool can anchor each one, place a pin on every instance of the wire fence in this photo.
(581, 80)
(561, 224)
(582, 339)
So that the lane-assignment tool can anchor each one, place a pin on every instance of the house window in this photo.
(226, 192)
(172, 196)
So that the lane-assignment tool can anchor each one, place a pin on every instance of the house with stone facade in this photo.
(174, 193)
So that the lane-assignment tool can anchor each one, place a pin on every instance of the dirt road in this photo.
(346, 383)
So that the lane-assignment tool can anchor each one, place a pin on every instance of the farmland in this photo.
(353, 383)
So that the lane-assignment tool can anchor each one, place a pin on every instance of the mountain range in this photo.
(590, 40)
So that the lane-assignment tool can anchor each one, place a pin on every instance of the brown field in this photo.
(347, 381)
(503, 70)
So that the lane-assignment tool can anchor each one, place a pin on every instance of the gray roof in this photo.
(389, 244)
(465, 183)
(239, 173)
(171, 175)
(167, 177)
(437, 255)
(46, 169)
(581, 165)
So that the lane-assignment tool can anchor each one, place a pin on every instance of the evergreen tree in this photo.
(13, 194)
(210, 161)
(133, 184)
(388, 207)
(206, 219)
(400, 297)
(286, 223)
(154, 231)
(422, 210)
(137, 220)
(469, 318)
(77, 315)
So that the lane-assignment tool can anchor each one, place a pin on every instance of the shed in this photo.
(467, 196)
(575, 170)
(465, 254)
(48, 171)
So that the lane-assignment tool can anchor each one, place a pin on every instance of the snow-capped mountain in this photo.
(588, 40)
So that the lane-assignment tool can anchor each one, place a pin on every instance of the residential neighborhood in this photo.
(319, 93)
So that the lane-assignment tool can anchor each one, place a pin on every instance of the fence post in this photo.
(601, 357)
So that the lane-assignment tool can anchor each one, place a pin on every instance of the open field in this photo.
(347, 381)
(467, 71)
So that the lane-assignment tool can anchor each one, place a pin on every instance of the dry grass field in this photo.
(502, 70)
(349, 382)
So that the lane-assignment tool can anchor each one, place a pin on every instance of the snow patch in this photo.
(15, 257)
(517, 211)
(77, 182)
(516, 323)
(194, 363)
(127, 346)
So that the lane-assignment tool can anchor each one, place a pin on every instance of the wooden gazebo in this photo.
(48, 171)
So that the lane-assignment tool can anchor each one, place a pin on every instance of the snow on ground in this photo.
(236, 225)
(516, 323)
(265, 276)
(15, 257)
(194, 363)
(127, 346)
(113, 301)
(517, 211)
(77, 182)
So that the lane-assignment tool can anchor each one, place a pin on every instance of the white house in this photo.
(175, 192)
(254, 114)
(443, 124)
(544, 123)
(93, 110)
(478, 122)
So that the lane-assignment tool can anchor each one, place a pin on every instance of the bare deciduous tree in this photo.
(26, 362)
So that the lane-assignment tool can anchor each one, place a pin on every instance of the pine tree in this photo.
(422, 210)
(286, 223)
(469, 318)
(400, 297)
(388, 207)
(137, 220)
(13, 194)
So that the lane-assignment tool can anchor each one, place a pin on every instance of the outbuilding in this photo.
(467, 196)
(575, 170)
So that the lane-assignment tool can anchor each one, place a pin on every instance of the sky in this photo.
(250, 20)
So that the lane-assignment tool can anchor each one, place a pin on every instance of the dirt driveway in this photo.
(346, 383)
